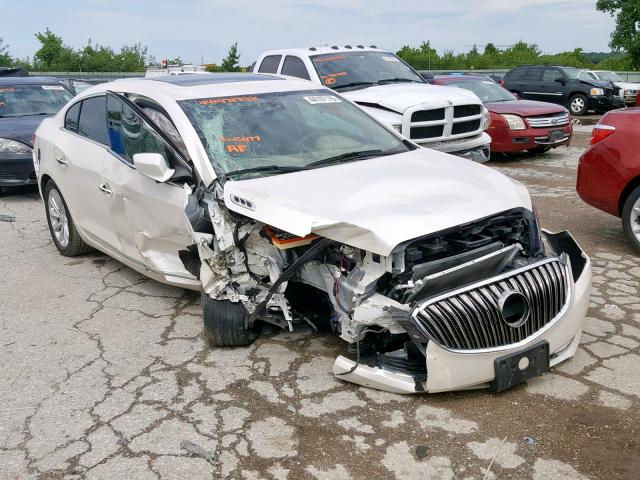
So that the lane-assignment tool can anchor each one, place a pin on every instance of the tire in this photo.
(224, 323)
(578, 104)
(631, 218)
(61, 227)
(540, 149)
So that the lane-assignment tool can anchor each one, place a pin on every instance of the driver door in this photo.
(148, 216)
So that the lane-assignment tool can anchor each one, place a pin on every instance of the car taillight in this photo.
(600, 132)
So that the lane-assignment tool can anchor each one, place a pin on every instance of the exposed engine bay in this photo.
(371, 300)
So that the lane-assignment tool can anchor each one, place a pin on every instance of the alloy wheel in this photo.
(58, 218)
(577, 104)
(634, 221)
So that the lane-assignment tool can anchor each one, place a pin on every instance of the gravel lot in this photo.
(103, 374)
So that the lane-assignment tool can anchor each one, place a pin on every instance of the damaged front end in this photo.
(438, 313)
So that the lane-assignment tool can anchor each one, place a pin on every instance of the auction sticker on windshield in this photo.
(218, 101)
(316, 99)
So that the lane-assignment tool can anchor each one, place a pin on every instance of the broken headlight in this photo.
(12, 146)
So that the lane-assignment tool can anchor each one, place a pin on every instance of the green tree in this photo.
(231, 63)
(5, 58)
(626, 35)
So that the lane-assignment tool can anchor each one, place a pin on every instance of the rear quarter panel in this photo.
(608, 167)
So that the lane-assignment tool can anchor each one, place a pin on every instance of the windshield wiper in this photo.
(397, 80)
(265, 169)
(349, 156)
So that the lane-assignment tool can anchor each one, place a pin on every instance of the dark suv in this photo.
(567, 86)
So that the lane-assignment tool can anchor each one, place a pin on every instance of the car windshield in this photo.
(361, 69)
(274, 132)
(612, 76)
(24, 100)
(577, 74)
(486, 90)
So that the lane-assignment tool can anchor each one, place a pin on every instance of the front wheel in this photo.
(631, 218)
(63, 231)
(578, 104)
(225, 323)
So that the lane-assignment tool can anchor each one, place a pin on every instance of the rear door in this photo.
(532, 80)
(79, 152)
(147, 216)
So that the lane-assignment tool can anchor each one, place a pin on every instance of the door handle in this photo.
(62, 161)
(106, 189)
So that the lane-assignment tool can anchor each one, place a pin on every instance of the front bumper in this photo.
(16, 170)
(454, 370)
(513, 141)
(477, 148)
(604, 103)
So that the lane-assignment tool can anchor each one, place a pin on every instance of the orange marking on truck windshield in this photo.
(7, 89)
(241, 148)
(335, 58)
(329, 81)
(254, 138)
(218, 101)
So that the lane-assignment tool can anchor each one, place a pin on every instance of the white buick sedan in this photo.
(284, 203)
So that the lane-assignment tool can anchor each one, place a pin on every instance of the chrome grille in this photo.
(471, 318)
(444, 124)
(549, 121)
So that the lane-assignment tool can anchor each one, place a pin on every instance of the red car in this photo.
(516, 125)
(609, 171)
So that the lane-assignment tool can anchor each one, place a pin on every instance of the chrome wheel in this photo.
(634, 220)
(58, 218)
(577, 105)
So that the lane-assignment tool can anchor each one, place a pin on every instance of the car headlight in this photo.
(631, 92)
(515, 122)
(397, 128)
(11, 146)
(486, 118)
(597, 91)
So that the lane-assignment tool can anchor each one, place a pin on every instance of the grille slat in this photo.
(555, 120)
(470, 318)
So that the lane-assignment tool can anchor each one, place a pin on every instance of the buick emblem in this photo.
(555, 121)
(514, 308)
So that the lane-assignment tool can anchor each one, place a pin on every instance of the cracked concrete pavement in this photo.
(104, 375)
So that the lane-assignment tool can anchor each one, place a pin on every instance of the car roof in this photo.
(29, 81)
(192, 86)
(310, 51)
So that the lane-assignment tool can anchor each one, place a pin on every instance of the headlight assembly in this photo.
(12, 146)
(597, 91)
(515, 122)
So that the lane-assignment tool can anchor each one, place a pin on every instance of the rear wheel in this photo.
(578, 104)
(63, 231)
(631, 218)
(225, 323)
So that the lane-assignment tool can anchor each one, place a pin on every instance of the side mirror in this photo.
(428, 77)
(153, 165)
(561, 80)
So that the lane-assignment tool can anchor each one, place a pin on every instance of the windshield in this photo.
(576, 74)
(355, 69)
(612, 76)
(486, 90)
(23, 100)
(288, 130)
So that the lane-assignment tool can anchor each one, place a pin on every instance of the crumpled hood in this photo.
(400, 96)
(379, 203)
(20, 128)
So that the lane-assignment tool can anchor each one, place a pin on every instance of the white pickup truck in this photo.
(448, 119)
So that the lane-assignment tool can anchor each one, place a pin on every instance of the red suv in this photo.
(609, 171)
(516, 125)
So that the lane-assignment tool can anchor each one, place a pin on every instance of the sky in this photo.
(199, 30)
